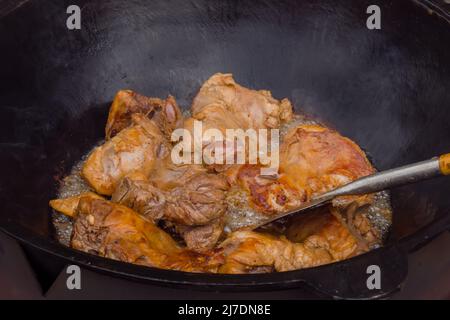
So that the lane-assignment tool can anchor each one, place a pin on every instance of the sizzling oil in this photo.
(72, 185)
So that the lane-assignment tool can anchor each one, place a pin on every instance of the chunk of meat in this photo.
(250, 252)
(317, 159)
(250, 108)
(165, 113)
(134, 149)
(201, 200)
(193, 200)
(222, 104)
(268, 195)
(138, 193)
(68, 206)
(117, 232)
(167, 175)
(202, 238)
(313, 160)
(328, 241)
(198, 202)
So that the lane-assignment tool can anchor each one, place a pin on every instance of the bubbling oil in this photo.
(71, 185)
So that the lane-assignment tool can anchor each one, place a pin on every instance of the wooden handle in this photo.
(444, 164)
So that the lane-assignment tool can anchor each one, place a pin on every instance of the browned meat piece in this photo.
(165, 113)
(134, 149)
(138, 193)
(202, 238)
(354, 229)
(117, 232)
(323, 239)
(268, 195)
(313, 160)
(168, 175)
(193, 200)
(249, 108)
(68, 206)
(317, 159)
(251, 252)
(198, 202)
(223, 104)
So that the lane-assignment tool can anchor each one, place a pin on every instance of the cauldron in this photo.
(388, 89)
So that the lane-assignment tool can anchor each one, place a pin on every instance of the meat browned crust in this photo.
(196, 206)
(134, 149)
(313, 160)
(250, 108)
(222, 104)
(198, 202)
(165, 113)
(117, 232)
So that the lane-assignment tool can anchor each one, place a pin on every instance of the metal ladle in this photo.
(379, 181)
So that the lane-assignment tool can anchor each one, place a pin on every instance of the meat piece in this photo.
(168, 175)
(202, 238)
(139, 194)
(250, 108)
(302, 226)
(117, 232)
(165, 113)
(193, 200)
(247, 251)
(134, 149)
(198, 202)
(68, 206)
(223, 104)
(313, 160)
(328, 241)
(268, 195)
(317, 159)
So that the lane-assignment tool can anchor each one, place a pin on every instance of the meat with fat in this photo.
(165, 113)
(134, 149)
(114, 231)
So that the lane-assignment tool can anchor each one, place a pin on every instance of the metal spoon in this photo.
(379, 181)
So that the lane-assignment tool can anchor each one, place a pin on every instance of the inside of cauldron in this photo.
(385, 89)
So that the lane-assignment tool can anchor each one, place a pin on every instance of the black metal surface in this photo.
(386, 89)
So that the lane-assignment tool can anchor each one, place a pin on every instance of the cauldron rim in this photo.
(308, 277)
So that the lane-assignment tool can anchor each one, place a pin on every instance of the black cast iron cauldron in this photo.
(387, 89)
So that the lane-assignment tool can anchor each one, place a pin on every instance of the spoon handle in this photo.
(411, 173)
(376, 182)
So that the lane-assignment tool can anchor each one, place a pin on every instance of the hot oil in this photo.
(379, 213)
(297, 120)
(240, 214)
(72, 185)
